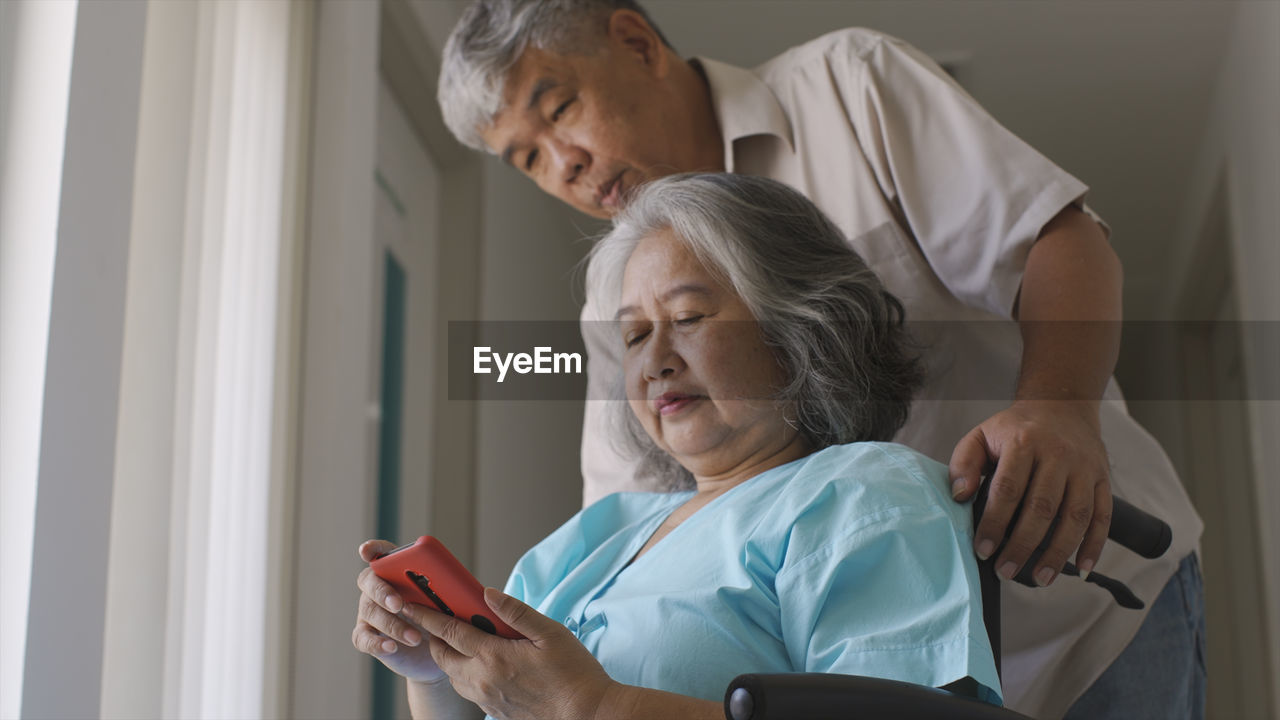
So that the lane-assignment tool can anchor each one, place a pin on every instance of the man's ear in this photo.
(635, 37)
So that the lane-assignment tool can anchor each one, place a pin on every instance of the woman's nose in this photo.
(661, 360)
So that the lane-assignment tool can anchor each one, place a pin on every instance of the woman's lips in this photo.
(672, 403)
(613, 193)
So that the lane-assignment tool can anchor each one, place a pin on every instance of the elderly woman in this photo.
(764, 383)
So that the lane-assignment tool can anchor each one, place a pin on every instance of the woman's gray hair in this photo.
(839, 336)
(490, 37)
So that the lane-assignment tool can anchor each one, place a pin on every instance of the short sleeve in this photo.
(973, 195)
(892, 597)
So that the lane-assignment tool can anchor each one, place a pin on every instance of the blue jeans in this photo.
(1161, 674)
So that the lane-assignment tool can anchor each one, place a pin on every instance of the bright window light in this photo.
(35, 76)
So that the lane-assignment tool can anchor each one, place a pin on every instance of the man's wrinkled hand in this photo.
(1050, 459)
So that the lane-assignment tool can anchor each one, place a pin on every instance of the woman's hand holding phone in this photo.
(383, 632)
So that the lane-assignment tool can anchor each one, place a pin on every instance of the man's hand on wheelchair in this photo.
(1049, 459)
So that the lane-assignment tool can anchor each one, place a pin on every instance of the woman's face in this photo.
(698, 374)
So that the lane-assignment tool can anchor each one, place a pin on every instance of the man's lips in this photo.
(610, 193)
(673, 402)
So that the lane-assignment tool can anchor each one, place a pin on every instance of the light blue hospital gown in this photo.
(852, 560)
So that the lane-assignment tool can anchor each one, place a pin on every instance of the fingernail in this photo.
(412, 638)
(394, 604)
(1086, 567)
(1045, 576)
(985, 548)
(388, 646)
(1007, 570)
(957, 488)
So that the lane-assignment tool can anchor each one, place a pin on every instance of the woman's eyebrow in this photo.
(687, 288)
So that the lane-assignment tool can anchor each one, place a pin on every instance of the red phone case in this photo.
(425, 572)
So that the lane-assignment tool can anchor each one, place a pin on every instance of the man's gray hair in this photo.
(491, 36)
(849, 366)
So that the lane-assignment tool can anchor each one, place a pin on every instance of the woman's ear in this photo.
(630, 33)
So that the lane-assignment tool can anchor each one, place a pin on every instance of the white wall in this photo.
(1240, 151)
(1243, 138)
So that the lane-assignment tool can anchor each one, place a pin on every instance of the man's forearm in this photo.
(1069, 312)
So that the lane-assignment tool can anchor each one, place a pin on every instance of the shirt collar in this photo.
(744, 106)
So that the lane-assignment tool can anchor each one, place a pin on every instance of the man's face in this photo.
(589, 128)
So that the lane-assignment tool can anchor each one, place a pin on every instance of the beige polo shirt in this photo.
(944, 204)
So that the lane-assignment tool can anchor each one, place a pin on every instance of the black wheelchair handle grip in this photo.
(1141, 532)
(816, 696)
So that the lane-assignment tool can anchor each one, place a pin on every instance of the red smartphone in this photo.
(425, 572)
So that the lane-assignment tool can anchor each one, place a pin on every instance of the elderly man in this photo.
(1010, 278)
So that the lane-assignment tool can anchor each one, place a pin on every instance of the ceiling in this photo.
(1117, 92)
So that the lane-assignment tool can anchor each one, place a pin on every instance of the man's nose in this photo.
(570, 160)
(662, 360)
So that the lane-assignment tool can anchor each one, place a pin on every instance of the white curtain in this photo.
(199, 482)
(220, 538)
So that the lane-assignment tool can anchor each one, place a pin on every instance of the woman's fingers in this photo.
(455, 633)
(371, 584)
(372, 549)
(379, 590)
(523, 619)
(380, 605)
(389, 624)
(382, 628)
(446, 657)
(368, 640)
